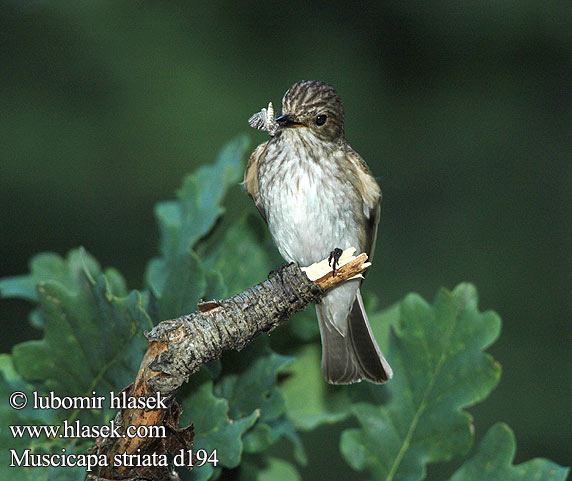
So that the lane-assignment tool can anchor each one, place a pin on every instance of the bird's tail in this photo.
(355, 356)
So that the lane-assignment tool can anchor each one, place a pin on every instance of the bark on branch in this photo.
(178, 347)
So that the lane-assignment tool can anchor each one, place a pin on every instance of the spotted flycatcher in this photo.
(318, 195)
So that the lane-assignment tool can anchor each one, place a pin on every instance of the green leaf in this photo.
(214, 428)
(69, 272)
(185, 283)
(11, 381)
(439, 368)
(303, 326)
(241, 257)
(253, 385)
(176, 279)
(72, 273)
(93, 338)
(310, 401)
(268, 469)
(494, 457)
(382, 321)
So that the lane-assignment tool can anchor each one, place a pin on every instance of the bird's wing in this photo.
(250, 181)
(371, 199)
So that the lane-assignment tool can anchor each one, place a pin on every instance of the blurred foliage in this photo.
(462, 110)
(247, 402)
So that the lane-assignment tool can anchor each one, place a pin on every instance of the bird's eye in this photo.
(321, 120)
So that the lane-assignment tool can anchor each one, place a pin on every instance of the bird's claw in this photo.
(334, 259)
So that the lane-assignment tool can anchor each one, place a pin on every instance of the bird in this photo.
(318, 197)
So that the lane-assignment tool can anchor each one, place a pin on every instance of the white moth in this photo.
(264, 120)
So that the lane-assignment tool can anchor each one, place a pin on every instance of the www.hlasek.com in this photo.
(75, 429)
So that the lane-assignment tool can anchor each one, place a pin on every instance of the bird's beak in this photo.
(287, 120)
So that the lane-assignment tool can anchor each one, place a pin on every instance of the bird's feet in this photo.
(334, 259)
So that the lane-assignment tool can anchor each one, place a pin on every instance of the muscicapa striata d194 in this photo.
(318, 195)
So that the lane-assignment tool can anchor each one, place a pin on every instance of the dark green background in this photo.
(462, 110)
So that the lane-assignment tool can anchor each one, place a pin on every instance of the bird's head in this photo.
(314, 105)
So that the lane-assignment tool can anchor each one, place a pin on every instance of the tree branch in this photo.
(178, 347)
